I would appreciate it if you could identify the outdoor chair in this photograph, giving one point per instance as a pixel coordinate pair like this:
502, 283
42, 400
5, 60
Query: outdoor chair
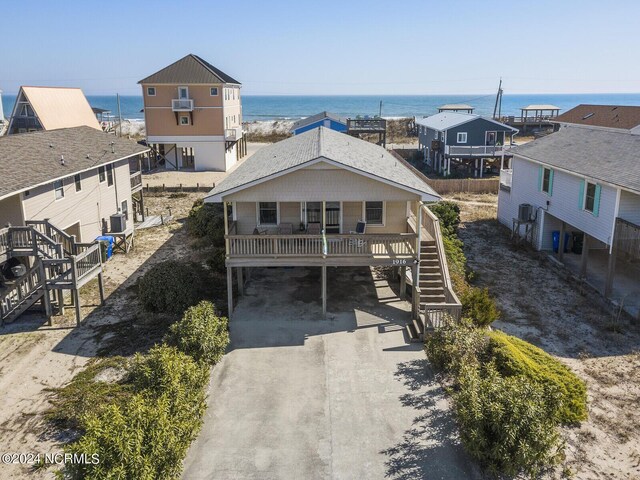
260, 231
361, 228
285, 229
313, 229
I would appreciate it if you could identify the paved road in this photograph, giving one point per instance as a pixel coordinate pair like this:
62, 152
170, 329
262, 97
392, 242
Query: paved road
298, 397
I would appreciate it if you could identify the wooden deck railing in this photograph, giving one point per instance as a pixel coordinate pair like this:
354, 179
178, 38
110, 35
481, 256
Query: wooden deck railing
136, 181
390, 245
24, 286
55, 234
475, 151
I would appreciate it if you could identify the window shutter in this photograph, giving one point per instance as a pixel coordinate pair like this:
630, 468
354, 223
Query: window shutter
540, 173
550, 182
596, 202
581, 198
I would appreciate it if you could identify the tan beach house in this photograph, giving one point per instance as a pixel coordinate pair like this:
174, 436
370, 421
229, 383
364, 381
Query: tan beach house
193, 116
323, 198
50, 108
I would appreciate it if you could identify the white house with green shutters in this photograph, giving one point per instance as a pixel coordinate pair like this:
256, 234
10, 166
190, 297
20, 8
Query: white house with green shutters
580, 181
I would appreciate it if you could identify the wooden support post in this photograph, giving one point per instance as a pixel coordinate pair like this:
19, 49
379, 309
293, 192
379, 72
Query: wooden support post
324, 290
60, 301
561, 242
611, 269
403, 282
481, 167
324, 216
76, 299
240, 281
226, 228
230, 290
585, 256
415, 296
101, 288
475, 168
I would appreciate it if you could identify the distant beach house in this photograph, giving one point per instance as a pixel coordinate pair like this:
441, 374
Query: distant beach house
325, 199
462, 142
618, 117
322, 119
193, 116
74, 177
577, 191
456, 107
50, 108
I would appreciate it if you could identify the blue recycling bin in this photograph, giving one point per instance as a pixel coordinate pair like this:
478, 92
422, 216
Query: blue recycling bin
556, 241
109, 240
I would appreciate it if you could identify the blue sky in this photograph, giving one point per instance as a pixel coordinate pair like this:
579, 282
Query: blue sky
329, 47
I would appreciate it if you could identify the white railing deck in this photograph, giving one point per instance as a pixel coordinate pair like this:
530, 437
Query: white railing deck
476, 151
182, 105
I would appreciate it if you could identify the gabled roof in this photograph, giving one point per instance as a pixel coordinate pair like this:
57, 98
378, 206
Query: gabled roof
31, 159
540, 107
316, 118
59, 107
604, 155
610, 116
348, 152
188, 70
445, 120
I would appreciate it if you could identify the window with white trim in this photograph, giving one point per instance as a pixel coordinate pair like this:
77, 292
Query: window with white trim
590, 197
101, 174
78, 181
214, 91
462, 137
374, 213
546, 180
268, 213
184, 120
151, 91
109, 174
58, 187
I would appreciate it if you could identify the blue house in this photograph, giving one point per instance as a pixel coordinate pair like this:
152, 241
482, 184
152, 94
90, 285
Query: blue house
322, 119
470, 143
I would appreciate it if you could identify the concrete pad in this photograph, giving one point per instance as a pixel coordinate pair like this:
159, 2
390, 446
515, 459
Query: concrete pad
343, 398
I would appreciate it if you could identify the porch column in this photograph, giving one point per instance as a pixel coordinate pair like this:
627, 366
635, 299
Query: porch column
481, 167
611, 270
561, 242
324, 216
403, 282
449, 167
585, 256
230, 290
226, 227
240, 281
324, 290
415, 297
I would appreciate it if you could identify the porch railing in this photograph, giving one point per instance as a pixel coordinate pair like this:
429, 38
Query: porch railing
391, 245
23, 287
136, 181
475, 151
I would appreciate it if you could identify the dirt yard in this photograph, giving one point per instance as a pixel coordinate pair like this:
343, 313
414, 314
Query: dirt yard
35, 358
541, 305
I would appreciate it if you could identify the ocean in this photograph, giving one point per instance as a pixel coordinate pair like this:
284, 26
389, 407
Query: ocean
262, 107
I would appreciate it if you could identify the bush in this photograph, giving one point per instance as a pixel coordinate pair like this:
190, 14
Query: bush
479, 307
449, 215
456, 261
216, 260
201, 333
206, 220
517, 357
451, 347
506, 423
146, 437
173, 286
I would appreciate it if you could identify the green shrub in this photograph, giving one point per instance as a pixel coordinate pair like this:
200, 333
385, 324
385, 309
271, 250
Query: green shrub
206, 220
451, 347
456, 261
173, 286
479, 307
216, 260
201, 333
449, 215
517, 357
506, 423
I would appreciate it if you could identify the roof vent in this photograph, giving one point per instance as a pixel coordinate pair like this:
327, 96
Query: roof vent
588, 115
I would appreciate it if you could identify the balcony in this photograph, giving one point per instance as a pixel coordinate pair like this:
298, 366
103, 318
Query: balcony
505, 180
232, 134
182, 105
136, 181
476, 151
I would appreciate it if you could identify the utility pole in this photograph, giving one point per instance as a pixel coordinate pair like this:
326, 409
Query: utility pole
497, 108
119, 113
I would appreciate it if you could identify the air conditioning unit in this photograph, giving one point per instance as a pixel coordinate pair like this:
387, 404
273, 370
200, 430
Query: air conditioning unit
118, 222
525, 212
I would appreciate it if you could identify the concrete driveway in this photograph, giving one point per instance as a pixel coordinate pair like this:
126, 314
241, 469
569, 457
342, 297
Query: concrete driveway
299, 397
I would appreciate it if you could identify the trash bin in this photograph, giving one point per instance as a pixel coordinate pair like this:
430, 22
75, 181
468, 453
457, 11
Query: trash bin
556, 241
106, 242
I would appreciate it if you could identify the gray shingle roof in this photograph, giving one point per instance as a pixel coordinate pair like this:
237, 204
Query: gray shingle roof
317, 117
608, 156
351, 152
190, 69
445, 120
31, 159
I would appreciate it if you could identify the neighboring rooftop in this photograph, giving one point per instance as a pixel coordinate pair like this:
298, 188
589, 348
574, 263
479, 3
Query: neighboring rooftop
445, 120
608, 116
188, 70
321, 142
530, 108
31, 159
59, 107
455, 106
316, 118
605, 155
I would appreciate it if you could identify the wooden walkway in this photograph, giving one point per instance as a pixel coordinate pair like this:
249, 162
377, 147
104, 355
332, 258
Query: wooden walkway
154, 221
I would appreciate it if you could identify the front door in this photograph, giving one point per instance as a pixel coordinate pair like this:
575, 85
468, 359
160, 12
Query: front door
491, 138
333, 217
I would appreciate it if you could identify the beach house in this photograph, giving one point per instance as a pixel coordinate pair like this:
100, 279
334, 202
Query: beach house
325, 199
50, 108
193, 116
577, 191
58, 190
619, 117
463, 143
322, 119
